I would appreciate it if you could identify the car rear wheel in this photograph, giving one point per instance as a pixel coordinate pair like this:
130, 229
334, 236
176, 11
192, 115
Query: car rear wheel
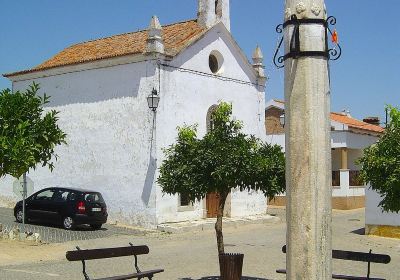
19, 216
96, 226
68, 223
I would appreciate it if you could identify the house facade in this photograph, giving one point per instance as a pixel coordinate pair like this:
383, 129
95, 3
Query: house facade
349, 137
115, 141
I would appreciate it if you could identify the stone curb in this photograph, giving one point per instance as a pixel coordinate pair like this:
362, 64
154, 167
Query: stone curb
208, 224
16, 235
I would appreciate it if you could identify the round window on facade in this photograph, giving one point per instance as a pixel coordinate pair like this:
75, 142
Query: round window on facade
215, 62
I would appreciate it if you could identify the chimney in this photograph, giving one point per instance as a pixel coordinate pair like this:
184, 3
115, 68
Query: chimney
211, 12
155, 42
346, 112
372, 120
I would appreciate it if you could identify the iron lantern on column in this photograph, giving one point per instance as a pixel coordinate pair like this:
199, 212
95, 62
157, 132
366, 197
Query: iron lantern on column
282, 120
153, 99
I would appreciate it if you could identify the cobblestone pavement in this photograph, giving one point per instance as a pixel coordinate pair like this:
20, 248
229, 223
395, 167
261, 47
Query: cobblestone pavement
56, 234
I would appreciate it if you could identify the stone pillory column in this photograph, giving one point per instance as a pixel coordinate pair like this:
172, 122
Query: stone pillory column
308, 152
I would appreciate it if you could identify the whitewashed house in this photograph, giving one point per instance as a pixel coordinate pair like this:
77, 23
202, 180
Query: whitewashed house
349, 137
115, 141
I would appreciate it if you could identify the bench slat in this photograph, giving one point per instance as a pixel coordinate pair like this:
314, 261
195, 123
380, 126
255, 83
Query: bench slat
134, 275
338, 276
357, 256
360, 256
94, 254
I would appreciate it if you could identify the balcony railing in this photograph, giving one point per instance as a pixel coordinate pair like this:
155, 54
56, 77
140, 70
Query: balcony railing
354, 179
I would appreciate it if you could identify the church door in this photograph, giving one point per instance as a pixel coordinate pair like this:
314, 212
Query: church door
212, 199
212, 202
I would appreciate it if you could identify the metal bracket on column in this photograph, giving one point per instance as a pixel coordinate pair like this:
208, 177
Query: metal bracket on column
294, 48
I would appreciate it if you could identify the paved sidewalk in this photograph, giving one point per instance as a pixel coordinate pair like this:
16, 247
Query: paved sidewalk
208, 224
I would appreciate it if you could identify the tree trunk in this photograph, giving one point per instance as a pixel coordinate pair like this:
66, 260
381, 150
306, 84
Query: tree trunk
218, 224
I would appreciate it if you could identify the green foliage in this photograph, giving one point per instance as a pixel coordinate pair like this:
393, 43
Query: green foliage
224, 159
28, 136
381, 164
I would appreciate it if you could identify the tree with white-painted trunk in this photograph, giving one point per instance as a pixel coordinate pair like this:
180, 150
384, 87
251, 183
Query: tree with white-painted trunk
308, 154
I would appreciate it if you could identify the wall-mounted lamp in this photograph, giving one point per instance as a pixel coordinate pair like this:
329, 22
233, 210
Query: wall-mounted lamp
153, 99
282, 120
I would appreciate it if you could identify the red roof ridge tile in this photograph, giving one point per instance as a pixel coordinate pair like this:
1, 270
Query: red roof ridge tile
131, 32
177, 36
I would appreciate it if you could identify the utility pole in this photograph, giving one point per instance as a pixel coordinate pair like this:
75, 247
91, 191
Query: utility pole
24, 193
308, 151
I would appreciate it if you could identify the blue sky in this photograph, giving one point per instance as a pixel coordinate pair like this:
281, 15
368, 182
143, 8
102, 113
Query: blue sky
364, 80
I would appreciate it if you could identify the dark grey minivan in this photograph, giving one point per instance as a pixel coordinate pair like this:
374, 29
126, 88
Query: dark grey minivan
68, 206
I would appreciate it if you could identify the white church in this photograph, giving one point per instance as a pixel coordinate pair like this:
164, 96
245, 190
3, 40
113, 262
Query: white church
115, 138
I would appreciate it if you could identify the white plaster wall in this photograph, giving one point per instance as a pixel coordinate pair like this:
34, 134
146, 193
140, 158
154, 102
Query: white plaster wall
186, 98
374, 214
278, 139
247, 203
347, 139
105, 115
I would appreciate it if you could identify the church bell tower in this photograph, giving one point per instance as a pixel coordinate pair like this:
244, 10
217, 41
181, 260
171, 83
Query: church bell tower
211, 12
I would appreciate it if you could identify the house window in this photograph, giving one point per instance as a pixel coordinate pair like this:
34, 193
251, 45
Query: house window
184, 200
185, 204
215, 62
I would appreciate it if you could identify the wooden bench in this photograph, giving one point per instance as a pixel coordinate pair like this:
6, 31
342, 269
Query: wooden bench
95, 254
353, 256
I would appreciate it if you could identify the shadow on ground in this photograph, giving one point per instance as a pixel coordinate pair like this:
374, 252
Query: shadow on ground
217, 278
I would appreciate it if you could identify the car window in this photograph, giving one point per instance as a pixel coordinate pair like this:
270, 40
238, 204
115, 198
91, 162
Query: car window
61, 196
93, 197
45, 195
72, 196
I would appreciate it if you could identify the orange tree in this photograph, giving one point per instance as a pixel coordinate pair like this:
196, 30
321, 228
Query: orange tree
28, 135
381, 164
224, 159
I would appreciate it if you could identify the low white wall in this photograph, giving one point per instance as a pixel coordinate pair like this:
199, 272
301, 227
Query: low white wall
374, 214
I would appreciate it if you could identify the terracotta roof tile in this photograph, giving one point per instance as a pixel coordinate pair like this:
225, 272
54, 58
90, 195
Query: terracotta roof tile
354, 123
176, 37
